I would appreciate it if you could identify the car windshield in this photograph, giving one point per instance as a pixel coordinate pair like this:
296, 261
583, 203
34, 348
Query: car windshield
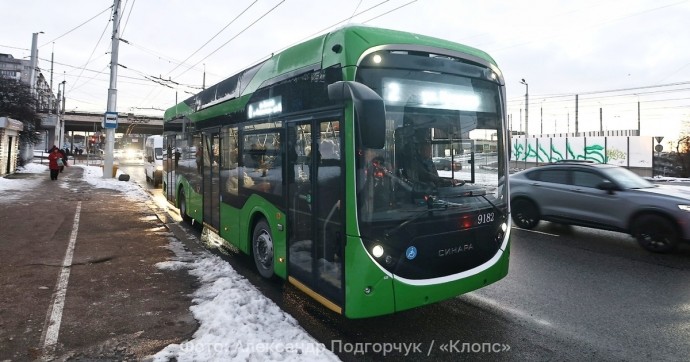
626, 178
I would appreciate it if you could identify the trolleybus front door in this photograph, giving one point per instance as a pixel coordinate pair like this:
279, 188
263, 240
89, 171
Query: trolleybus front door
315, 216
211, 186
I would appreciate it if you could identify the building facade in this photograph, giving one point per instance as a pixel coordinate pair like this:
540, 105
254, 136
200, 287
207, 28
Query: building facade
9, 144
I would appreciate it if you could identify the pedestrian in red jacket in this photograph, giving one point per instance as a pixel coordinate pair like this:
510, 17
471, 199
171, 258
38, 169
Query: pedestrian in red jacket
55, 162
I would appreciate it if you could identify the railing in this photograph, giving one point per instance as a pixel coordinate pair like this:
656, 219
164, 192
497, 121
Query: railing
86, 159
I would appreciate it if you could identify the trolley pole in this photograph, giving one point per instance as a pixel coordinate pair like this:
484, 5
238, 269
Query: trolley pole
112, 97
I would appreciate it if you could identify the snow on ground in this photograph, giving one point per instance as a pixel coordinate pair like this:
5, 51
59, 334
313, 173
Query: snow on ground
236, 321
8, 184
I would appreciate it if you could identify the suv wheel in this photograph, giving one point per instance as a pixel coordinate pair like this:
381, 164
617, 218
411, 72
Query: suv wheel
525, 213
655, 233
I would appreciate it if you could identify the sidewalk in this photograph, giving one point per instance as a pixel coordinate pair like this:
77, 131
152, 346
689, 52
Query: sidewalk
108, 301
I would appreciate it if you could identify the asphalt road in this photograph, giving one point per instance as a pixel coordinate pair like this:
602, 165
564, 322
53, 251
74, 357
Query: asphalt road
572, 293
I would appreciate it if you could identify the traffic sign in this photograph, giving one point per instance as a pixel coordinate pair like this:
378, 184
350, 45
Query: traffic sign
110, 120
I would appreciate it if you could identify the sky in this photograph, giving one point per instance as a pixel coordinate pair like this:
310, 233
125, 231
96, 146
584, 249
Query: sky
611, 53
236, 321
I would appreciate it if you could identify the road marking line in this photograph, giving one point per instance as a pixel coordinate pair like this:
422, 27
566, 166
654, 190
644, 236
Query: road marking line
494, 304
54, 316
534, 231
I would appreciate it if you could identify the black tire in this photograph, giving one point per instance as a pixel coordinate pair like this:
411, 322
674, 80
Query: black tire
525, 213
183, 207
656, 233
262, 249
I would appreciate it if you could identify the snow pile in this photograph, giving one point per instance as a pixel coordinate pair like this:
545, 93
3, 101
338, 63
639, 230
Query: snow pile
237, 322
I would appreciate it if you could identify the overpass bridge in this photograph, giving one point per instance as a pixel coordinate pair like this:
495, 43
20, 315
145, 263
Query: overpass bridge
127, 123
89, 123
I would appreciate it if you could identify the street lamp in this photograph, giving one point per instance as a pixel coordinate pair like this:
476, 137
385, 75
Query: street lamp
523, 81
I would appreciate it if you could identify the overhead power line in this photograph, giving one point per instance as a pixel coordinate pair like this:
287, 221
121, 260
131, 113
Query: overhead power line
213, 37
234, 37
568, 95
78, 26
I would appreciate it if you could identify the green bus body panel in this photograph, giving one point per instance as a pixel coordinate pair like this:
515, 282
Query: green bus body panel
410, 296
294, 58
362, 273
358, 39
353, 40
195, 207
230, 228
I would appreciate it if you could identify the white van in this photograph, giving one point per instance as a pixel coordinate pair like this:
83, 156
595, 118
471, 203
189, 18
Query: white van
153, 160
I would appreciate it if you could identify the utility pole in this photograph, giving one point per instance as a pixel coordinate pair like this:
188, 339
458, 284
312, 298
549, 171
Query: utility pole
639, 126
526, 107
50, 99
61, 112
112, 97
33, 62
576, 115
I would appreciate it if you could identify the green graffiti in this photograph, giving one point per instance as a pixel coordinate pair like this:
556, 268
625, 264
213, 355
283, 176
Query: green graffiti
554, 151
569, 151
593, 153
531, 152
546, 154
517, 150
614, 154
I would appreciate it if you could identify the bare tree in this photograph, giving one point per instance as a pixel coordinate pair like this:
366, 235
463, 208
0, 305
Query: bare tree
683, 155
16, 101
682, 148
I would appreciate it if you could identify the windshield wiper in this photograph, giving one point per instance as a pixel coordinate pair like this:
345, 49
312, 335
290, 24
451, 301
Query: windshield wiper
434, 204
494, 206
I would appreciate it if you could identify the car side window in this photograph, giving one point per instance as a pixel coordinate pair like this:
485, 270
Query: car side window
554, 176
587, 179
533, 175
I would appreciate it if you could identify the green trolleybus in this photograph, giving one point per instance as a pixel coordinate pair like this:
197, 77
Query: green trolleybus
367, 167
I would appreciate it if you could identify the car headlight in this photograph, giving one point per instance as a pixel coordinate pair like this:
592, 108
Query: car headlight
684, 207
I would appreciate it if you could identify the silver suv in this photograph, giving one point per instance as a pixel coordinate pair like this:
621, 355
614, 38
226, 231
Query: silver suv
603, 197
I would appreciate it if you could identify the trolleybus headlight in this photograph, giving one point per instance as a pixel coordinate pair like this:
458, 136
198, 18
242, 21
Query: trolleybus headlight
684, 207
377, 59
377, 251
501, 233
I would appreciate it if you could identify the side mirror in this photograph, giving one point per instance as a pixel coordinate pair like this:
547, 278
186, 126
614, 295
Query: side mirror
369, 107
608, 186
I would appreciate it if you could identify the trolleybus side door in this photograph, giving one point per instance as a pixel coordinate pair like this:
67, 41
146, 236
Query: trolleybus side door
315, 215
211, 187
